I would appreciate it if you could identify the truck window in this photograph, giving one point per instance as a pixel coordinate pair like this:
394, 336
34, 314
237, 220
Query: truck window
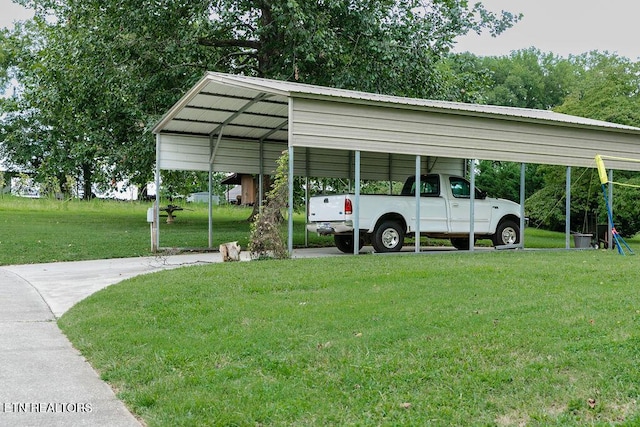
429, 186
460, 188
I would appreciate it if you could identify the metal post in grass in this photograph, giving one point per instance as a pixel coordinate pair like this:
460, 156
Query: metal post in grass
567, 214
356, 208
306, 209
156, 206
610, 216
210, 220
212, 154
472, 205
523, 169
417, 195
290, 210
307, 165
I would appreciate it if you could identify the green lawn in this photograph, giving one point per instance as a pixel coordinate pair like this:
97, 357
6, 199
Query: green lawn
495, 338
44, 230
491, 338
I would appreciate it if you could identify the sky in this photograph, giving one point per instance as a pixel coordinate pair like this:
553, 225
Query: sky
563, 27
10, 12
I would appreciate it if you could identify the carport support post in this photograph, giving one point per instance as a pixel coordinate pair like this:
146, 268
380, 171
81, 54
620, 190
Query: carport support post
261, 175
567, 220
290, 210
610, 228
472, 206
306, 210
210, 220
155, 229
356, 208
417, 184
523, 168
306, 194
212, 153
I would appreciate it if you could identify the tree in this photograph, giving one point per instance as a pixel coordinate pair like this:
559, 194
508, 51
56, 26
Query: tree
626, 207
91, 90
382, 46
607, 88
529, 79
183, 183
502, 179
96, 74
546, 207
468, 81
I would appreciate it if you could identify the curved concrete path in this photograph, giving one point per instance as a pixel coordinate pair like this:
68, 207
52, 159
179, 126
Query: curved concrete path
44, 380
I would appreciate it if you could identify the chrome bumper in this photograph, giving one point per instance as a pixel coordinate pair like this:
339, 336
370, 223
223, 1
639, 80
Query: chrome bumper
328, 228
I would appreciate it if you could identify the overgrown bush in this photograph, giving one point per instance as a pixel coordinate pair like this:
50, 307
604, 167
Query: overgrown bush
267, 238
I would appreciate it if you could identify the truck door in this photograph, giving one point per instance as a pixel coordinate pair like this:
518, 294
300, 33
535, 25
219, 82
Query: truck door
459, 205
433, 209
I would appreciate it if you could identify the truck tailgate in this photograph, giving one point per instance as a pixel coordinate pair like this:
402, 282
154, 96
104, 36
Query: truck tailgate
327, 208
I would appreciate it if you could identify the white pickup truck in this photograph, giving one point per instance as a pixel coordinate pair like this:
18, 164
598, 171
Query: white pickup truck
444, 213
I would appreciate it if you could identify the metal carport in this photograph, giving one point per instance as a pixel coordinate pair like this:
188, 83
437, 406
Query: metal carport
232, 123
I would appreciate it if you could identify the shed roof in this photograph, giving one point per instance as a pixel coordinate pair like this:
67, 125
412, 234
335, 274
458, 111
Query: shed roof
254, 109
217, 96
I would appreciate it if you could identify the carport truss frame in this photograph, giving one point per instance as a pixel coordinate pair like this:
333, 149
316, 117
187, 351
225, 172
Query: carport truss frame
232, 123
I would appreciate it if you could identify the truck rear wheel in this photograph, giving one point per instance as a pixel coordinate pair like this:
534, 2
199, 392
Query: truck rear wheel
507, 233
388, 237
344, 242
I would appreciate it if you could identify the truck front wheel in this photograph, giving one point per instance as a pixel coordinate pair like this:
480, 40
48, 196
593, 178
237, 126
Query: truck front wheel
388, 237
344, 242
507, 233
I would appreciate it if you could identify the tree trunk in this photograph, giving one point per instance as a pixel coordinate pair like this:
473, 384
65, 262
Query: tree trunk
87, 177
266, 187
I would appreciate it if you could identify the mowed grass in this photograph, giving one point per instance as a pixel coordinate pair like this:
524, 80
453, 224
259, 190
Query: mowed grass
500, 338
491, 338
45, 230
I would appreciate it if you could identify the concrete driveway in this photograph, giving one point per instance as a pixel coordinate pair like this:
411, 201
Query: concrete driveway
45, 381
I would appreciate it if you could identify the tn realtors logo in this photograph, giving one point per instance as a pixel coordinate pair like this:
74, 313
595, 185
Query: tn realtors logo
40, 407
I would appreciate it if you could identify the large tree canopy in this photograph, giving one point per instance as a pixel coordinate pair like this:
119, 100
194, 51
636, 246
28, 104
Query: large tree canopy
95, 74
607, 87
529, 79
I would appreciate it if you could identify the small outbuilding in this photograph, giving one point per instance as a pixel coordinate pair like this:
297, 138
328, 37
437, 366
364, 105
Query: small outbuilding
248, 186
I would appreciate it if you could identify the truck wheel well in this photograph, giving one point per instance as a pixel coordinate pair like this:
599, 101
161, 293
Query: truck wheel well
509, 218
392, 216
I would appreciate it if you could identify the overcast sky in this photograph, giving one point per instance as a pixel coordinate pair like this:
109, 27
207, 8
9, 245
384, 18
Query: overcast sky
563, 27
10, 12
560, 26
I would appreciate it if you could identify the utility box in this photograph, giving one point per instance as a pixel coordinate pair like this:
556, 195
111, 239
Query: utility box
582, 241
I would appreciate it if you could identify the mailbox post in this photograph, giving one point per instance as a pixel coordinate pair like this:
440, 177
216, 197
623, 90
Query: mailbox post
151, 219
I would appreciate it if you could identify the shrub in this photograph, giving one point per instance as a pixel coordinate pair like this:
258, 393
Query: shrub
267, 238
